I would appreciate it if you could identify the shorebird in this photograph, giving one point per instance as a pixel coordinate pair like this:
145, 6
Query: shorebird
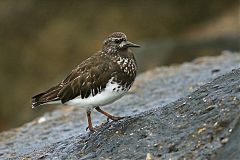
99, 80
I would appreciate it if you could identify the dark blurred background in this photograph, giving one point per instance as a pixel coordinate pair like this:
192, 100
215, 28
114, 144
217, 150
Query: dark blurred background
41, 41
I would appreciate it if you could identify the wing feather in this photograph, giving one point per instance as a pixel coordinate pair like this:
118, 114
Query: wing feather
88, 79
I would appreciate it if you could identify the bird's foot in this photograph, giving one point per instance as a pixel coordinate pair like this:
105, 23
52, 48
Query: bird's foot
114, 118
94, 129
91, 129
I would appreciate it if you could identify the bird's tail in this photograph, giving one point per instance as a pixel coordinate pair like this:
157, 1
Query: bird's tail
49, 96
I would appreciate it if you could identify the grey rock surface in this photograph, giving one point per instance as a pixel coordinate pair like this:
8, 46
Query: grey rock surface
185, 111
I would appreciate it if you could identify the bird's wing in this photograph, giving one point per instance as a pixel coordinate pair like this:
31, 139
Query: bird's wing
90, 77
84, 80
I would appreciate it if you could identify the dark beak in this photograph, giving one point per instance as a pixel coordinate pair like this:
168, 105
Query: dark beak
130, 44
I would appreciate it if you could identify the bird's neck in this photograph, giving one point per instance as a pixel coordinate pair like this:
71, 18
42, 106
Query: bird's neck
126, 53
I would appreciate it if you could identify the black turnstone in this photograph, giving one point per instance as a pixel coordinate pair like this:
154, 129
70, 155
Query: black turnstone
99, 80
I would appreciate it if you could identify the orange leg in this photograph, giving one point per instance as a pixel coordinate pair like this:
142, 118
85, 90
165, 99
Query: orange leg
114, 118
90, 127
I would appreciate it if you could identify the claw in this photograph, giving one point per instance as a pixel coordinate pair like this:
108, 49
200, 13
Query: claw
95, 128
91, 130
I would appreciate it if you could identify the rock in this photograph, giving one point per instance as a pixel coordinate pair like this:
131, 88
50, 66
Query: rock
188, 111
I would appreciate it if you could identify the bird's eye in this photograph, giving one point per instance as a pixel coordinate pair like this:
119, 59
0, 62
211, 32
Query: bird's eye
117, 40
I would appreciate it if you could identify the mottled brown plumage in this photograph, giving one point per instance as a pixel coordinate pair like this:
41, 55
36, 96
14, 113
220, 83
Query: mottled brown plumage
114, 64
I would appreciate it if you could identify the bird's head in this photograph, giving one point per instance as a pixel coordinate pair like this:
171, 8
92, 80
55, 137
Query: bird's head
117, 42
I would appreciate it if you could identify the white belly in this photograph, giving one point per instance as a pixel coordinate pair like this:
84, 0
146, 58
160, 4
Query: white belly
111, 93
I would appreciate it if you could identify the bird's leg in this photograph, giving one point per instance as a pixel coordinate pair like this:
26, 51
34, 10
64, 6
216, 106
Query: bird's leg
114, 118
90, 127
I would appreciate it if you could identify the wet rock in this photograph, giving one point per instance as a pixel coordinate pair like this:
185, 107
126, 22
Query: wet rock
187, 111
